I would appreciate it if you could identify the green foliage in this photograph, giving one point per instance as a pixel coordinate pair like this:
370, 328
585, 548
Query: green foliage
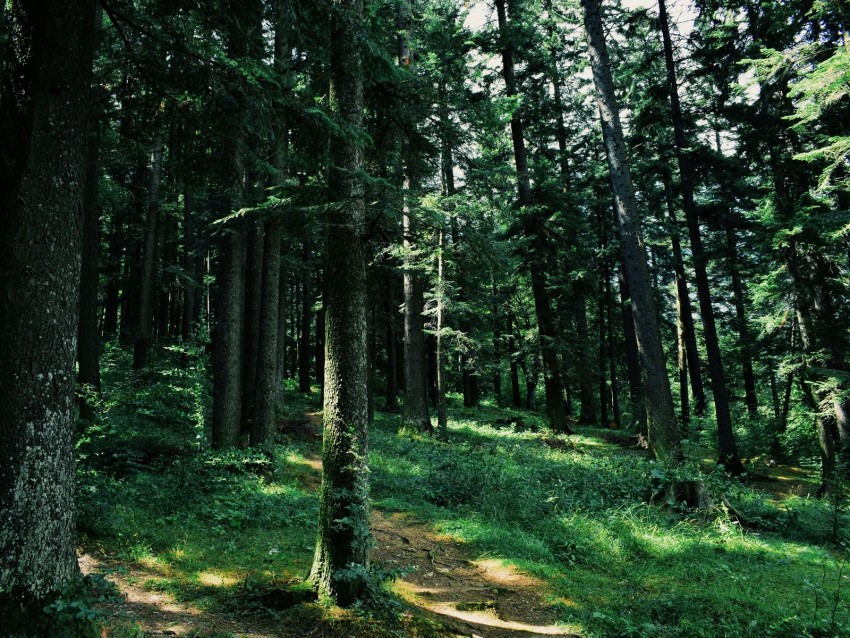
73, 612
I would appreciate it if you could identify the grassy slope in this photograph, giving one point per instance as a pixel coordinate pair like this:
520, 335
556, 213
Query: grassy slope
220, 529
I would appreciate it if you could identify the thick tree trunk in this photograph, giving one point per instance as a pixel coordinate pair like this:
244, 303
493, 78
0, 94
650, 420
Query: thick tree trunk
341, 563
637, 401
555, 408
662, 428
727, 448
227, 357
144, 310
262, 426
43, 126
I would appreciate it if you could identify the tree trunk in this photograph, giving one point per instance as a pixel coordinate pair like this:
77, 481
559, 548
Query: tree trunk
44, 110
227, 356
415, 412
442, 413
727, 449
686, 315
341, 563
144, 310
662, 428
555, 408
262, 426
516, 396
741, 321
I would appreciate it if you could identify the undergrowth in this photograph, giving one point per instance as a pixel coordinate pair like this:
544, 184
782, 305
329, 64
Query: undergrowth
233, 532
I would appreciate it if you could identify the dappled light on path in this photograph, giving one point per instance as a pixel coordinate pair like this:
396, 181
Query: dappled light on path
486, 597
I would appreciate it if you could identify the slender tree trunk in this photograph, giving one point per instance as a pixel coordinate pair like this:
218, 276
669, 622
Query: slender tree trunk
44, 113
442, 413
144, 311
415, 410
662, 428
341, 563
686, 315
612, 359
112, 299
516, 397
604, 352
281, 338
637, 400
555, 408
727, 448
741, 320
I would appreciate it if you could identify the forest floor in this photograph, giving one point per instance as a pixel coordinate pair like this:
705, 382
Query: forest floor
506, 531
466, 595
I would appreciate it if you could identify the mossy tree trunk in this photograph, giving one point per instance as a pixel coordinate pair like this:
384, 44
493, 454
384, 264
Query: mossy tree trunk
341, 561
44, 111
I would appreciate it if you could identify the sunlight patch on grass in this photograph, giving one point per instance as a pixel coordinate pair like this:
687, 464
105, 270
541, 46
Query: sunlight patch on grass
216, 579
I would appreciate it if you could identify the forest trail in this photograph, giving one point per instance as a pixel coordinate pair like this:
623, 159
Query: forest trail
158, 614
476, 597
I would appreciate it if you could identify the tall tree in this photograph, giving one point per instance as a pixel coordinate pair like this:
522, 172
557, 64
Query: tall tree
533, 229
661, 417
727, 448
44, 112
341, 563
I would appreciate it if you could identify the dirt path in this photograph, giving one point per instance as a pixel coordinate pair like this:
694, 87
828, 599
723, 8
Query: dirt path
483, 597
157, 614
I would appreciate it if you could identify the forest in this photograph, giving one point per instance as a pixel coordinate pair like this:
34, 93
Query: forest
424, 318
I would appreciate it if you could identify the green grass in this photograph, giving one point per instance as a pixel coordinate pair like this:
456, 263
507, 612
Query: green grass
581, 513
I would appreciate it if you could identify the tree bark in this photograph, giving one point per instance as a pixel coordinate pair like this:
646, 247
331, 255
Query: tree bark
144, 310
227, 357
44, 114
662, 428
262, 426
341, 561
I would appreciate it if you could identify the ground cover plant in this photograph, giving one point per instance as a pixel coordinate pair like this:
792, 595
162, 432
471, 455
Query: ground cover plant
586, 517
